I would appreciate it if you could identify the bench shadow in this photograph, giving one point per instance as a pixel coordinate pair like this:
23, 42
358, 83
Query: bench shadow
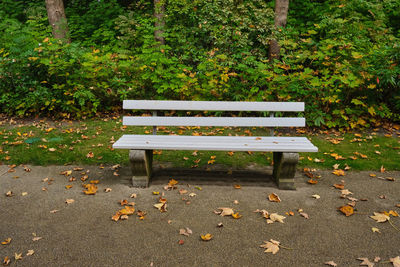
213, 176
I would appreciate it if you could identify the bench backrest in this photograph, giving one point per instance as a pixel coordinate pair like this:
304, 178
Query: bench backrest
154, 105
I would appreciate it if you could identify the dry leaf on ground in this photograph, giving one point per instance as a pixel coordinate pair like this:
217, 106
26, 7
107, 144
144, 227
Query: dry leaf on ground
6, 261
274, 198
316, 196
331, 263
18, 256
347, 210
365, 262
380, 217
339, 172
271, 246
395, 261
206, 237
30, 252
375, 230
69, 201
7, 241
275, 217
305, 215
185, 232
91, 189
224, 211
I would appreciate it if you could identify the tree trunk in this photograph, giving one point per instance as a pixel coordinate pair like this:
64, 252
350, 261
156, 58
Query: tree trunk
57, 19
281, 11
159, 9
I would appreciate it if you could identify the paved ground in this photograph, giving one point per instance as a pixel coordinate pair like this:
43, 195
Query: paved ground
83, 234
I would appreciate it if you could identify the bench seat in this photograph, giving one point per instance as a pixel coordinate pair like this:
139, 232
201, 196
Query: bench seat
216, 143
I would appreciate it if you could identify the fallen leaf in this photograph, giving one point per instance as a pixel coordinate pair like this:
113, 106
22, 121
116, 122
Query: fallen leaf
271, 246
372, 175
156, 193
185, 232
181, 242
69, 201
382, 170
224, 211
127, 210
377, 259
30, 252
9, 194
380, 217
7, 241
6, 261
346, 192
36, 238
124, 217
236, 202
274, 198
182, 191
192, 194
339, 186
206, 237
331, 263
375, 230
237, 186
316, 196
339, 172
91, 189
347, 210
162, 207
395, 261
236, 215
275, 217
133, 195
18, 256
107, 190
365, 262
305, 215
220, 224
90, 155
311, 181
393, 213
54, 211
198, 188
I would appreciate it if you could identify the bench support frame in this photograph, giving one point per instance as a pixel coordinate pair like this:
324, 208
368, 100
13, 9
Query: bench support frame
141, 164
285, 169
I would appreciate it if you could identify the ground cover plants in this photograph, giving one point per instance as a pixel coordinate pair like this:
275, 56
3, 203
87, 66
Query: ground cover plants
44, 142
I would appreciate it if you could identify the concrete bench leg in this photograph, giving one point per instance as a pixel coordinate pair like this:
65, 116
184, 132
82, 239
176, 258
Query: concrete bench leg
142, 164
285, 169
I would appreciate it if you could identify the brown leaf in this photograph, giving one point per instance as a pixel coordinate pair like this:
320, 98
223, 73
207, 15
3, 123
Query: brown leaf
107, 190
6, 261
271, 246
339, 186
274, 198
382, 170
311, 181
346, 192
123, 202
127, 210
275, 217
347, 210
331, 263
365, 262
305, 215
9, 194
90, 155
69, 201
181, 242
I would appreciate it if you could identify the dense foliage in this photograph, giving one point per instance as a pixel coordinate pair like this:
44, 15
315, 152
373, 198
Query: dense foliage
340, 57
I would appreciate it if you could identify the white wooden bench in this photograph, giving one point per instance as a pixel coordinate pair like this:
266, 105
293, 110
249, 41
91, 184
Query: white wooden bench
285, 149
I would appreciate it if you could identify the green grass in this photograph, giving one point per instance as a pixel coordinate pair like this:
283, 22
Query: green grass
72, 141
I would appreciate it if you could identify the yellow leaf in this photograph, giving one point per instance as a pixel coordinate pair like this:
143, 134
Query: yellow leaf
206, 237
236, 215
68, 186
7, 241
339, 172
156, 193
128, 210
91, 189
172, 182
375, 230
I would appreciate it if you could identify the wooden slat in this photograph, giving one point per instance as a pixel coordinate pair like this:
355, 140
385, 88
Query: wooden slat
215, 121
215, 143
213, 105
